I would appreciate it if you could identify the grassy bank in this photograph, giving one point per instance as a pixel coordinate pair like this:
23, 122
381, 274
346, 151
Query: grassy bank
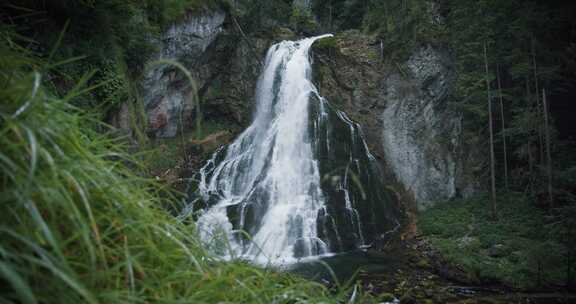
523, 249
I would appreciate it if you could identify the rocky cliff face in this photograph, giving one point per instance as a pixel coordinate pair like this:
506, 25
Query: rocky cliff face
225, 65
167, 95
403, 109
421, 137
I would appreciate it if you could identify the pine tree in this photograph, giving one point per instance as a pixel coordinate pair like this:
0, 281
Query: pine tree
548, 156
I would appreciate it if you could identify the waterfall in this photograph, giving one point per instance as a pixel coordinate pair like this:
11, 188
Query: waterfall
289, 186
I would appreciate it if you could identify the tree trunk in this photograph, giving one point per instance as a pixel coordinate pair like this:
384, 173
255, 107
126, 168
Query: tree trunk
503, 127
539, 117
330, 16
529, 141
548, 154
569, 269
540, 270
492, 161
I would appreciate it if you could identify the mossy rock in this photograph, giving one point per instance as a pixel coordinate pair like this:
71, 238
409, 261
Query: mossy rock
328, 43
423, 263
283, 33
386, 297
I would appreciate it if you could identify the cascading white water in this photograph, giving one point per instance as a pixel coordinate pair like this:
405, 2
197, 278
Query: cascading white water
299, 182
269, 172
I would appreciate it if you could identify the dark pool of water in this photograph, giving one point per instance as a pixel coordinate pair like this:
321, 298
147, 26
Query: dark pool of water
345, 266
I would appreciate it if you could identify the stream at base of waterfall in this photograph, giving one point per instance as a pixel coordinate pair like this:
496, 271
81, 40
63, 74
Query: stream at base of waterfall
299, 183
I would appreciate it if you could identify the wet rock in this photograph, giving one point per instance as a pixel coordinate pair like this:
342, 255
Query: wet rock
212, 141
444, 297
488, 301
408, 298
283, 33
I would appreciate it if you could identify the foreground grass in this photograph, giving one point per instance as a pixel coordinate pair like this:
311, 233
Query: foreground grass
519, 250
78, 226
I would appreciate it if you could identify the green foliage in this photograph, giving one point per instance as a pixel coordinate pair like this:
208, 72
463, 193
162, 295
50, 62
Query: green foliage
515, 33
302, 20
165, 13
404, 25
341, 14
256, 16
114, 85
115, 37
328, 43
78, 226
520, 250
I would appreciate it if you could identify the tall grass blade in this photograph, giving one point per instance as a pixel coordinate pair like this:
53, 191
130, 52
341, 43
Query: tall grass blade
19, 284
35, 88
33, 154
58, 41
